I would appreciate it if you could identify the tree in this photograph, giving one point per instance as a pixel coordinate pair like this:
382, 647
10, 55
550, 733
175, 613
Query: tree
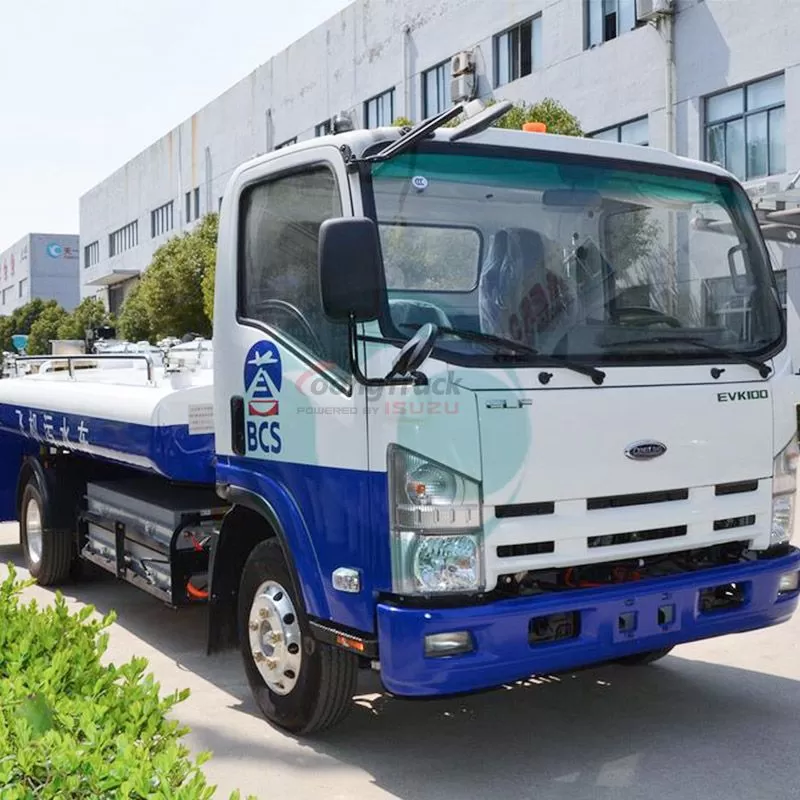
20, 321
46, 327
174, 295
549, 111
88, 314
134, 318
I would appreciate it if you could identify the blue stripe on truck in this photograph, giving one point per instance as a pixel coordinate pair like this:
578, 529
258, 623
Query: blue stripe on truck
169, 450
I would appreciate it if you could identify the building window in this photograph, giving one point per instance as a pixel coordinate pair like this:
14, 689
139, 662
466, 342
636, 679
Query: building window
518, 51
324, 128
91, 254
193, 205
282, 218
287, 143
123, 239
379, 110
6, 295
607, 19
745, 129
161, 220
116, 297
436, 89
23, 284
634, 132
219, 205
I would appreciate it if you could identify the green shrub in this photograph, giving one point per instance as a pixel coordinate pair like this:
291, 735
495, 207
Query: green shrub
73, 728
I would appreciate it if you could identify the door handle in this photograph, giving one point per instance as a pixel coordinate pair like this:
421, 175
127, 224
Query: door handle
237, 425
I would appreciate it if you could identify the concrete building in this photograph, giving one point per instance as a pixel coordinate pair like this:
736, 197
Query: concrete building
734, 85
40, 265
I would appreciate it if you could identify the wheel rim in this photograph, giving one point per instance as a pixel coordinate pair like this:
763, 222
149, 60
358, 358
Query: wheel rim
33, 531
275, 639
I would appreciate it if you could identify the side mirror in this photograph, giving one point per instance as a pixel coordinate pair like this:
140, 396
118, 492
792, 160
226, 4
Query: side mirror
414, 352
350, 269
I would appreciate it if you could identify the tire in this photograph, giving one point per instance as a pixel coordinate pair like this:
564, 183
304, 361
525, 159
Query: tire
643, 659
302, 686
48, 553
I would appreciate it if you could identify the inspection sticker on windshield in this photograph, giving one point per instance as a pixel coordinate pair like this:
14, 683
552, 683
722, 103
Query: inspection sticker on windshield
419, 182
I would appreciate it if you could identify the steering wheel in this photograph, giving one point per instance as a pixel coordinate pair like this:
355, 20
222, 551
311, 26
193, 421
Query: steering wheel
644, 315
297, 314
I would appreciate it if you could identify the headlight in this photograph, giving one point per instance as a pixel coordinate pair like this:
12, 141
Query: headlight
437, 532
784, 484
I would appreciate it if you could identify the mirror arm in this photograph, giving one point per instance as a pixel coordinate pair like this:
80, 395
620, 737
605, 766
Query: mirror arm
352, 339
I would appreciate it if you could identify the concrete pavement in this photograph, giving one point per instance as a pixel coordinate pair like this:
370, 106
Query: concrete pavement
718, 720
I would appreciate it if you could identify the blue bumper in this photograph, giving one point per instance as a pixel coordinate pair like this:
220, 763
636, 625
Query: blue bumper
500, 630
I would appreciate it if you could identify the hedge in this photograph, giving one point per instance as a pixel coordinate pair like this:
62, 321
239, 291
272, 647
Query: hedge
73, 728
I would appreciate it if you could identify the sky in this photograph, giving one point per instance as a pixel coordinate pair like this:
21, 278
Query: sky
85, 85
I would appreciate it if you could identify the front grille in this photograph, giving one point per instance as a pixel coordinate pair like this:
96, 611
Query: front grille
524, 510
637, 536
645, 498
734, 522
527, 549
736, 488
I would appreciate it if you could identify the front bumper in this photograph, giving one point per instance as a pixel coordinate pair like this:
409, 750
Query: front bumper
500, 630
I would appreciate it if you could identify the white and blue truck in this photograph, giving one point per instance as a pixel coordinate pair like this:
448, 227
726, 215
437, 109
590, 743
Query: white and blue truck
479, 404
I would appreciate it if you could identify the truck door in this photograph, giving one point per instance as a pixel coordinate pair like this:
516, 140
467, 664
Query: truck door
290, 423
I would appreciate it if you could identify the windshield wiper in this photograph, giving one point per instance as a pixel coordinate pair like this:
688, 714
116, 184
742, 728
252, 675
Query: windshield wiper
763, 369
521, 350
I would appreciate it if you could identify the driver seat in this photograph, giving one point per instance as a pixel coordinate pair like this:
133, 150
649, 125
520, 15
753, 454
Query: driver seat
519, 297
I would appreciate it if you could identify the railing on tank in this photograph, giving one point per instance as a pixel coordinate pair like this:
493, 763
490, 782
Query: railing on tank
87, 359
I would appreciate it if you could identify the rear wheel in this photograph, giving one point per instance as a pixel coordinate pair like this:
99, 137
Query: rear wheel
642, 659
48, 553
301, 685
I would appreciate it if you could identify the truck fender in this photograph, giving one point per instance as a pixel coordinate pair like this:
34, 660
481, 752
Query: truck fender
250, 520
60, 494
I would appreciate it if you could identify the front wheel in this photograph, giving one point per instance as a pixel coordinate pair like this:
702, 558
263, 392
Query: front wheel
48, 552
301, 685
642, 659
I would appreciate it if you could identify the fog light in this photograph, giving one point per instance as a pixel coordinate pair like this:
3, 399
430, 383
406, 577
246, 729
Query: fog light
448, 644
789, 582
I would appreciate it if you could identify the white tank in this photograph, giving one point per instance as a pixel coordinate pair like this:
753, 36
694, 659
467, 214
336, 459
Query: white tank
149, 410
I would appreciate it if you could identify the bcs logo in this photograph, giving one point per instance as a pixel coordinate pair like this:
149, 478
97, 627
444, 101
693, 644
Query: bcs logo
55, 250
263, 376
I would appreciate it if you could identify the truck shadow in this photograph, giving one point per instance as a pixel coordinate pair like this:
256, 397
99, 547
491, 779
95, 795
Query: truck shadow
678, 729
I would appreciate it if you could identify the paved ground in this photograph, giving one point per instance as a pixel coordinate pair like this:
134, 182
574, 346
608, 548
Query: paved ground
719, 719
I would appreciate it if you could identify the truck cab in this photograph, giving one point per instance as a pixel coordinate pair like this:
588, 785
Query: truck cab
486, 390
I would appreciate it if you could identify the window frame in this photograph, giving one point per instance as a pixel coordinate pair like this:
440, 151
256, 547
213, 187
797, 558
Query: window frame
91, 248
165, 213
587, 26
439, 226
533, 19
426, 107
129, 238
391, 93
743, 117
618, 128
324, 128
341, 380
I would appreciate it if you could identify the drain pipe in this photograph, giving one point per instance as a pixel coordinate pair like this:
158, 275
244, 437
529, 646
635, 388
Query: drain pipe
406, 82
668, 21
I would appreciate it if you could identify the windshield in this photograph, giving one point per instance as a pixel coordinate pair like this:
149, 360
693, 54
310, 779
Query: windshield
591, 260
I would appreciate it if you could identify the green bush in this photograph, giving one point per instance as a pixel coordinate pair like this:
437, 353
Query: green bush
72, 728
